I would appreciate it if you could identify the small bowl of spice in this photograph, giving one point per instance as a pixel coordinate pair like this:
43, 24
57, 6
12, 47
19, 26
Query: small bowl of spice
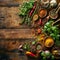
43, 13
53, 14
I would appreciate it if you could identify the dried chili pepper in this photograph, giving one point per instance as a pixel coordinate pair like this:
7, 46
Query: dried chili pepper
30, 54
40, 22
32, 10
38, 31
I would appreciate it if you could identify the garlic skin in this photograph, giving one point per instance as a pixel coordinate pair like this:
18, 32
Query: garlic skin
47, 52
44, 4
53, 3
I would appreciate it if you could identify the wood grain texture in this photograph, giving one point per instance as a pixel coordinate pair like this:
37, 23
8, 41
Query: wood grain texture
16, 33
9, 17
10, 39
11, 44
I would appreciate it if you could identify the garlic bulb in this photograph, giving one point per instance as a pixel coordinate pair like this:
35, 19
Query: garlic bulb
53, 3
44, 3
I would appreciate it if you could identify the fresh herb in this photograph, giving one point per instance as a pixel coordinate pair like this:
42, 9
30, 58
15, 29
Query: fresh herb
32, 10
47, 55
26, 7
25, 11
26, 47
52, 31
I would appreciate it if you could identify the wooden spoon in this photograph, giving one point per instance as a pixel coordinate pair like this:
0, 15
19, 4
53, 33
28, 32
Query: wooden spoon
54, 13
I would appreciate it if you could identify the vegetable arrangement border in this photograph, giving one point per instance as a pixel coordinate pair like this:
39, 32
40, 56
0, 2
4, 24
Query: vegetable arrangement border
44, 18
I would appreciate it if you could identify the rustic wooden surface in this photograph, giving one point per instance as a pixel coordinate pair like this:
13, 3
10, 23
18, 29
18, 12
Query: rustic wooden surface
10, 39
16, 34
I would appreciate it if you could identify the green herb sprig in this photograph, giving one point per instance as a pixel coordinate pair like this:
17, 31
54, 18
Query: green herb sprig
52, 31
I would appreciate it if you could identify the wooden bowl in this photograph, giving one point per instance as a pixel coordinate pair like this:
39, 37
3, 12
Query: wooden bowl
43, 13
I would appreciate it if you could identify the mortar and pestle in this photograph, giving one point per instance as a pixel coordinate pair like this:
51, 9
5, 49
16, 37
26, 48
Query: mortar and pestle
54, 12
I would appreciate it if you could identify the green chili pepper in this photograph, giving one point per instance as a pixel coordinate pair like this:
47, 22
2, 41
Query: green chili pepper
44, 58
42, 54
52, 58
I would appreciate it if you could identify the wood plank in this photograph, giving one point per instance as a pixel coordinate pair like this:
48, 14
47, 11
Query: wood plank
12, 44
16, 33
17, 56
9, 15
9, 18
10, 1
9, 45
12, 55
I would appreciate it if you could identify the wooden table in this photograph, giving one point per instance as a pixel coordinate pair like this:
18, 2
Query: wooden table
12, 34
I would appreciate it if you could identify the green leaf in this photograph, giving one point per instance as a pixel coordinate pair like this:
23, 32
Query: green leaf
52, 58
26, 7
57, 43
33, 42
42, 53
44, 58
53, 28
32, 0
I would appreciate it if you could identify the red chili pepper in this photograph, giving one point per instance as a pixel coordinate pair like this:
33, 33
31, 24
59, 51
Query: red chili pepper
40, 22
38, 31
32, 10
34, 6
30, 54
